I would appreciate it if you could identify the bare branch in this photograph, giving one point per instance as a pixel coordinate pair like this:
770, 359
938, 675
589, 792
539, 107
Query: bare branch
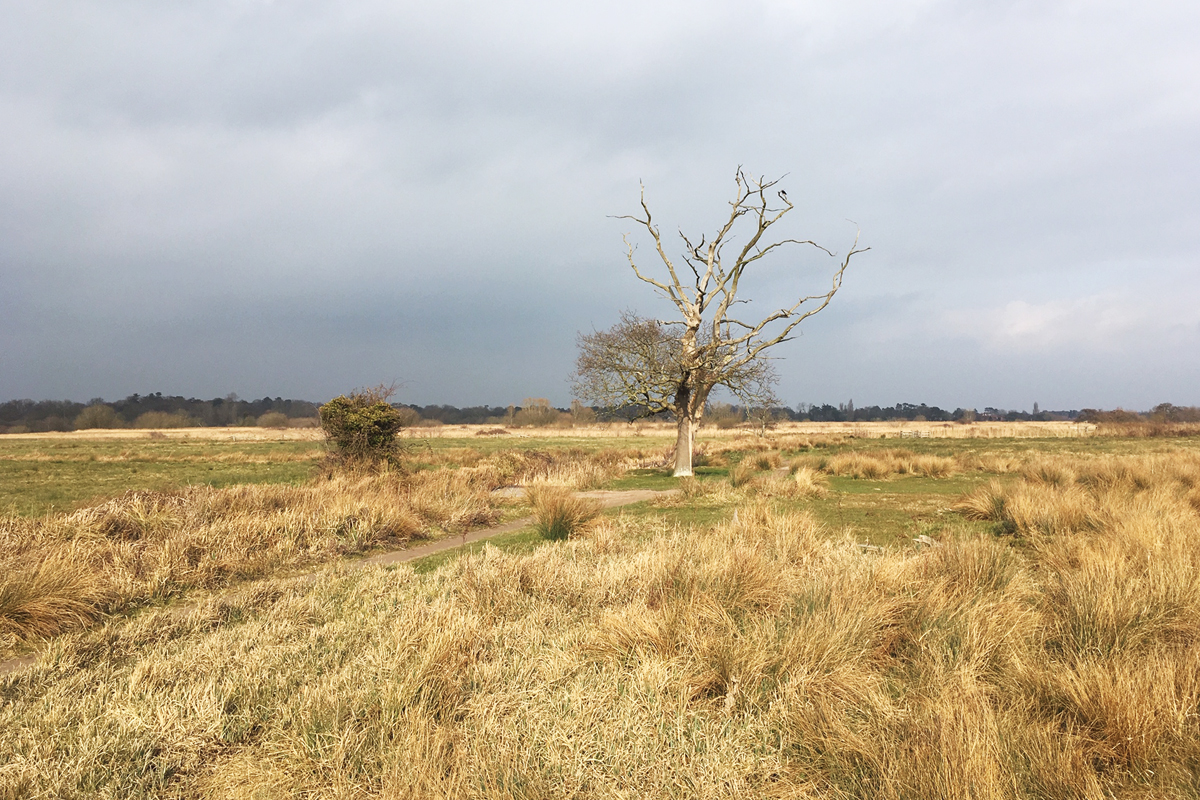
674, 365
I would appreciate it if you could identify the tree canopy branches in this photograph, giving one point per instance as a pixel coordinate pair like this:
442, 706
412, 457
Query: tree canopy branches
673, 365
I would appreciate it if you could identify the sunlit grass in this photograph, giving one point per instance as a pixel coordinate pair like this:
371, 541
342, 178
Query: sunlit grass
759, 656
1040, 640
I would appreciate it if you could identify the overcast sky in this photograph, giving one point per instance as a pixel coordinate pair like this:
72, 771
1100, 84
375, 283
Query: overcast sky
297, 198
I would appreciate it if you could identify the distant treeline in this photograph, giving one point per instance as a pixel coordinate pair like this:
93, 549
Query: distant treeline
1163, 412
148, 411
846, 412
160, 411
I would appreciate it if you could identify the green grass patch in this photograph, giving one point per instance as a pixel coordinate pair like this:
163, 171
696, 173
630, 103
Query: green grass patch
39, 476
657, 479
878, 516
689, 515
33, 488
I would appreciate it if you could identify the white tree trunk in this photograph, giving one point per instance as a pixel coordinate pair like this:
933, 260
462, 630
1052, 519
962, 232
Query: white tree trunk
683, 447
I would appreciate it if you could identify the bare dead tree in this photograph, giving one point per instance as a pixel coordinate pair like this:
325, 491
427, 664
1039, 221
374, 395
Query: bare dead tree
673, 365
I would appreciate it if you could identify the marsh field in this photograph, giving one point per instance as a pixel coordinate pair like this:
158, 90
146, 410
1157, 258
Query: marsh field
821, 612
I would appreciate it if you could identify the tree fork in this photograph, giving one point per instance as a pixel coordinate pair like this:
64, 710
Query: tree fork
673, 365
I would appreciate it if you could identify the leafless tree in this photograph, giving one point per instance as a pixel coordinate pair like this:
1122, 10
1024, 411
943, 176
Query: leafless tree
673, 365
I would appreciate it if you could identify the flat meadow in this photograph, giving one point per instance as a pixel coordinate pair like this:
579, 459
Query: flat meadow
823, 611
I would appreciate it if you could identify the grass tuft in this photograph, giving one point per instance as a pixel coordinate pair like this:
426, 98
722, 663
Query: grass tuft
52, 595
557, 513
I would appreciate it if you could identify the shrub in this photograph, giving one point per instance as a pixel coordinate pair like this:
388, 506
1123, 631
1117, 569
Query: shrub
273, 419
98, 416
558, 513
724, 416
362, 427
535, 412
581, 414
162, 419
408, 416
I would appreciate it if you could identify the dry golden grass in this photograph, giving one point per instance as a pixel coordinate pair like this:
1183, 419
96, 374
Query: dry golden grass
69, 569
571, 468
557, 513
759, 658
743, 472
762, 657
149, 546
1146, 430
880, 464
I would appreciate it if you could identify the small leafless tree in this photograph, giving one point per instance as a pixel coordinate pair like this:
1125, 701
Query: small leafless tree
673, 365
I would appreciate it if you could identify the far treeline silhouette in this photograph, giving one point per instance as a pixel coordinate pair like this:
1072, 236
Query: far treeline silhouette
163, 411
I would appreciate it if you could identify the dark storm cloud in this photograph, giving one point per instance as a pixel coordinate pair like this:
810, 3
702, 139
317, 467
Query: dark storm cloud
303, 197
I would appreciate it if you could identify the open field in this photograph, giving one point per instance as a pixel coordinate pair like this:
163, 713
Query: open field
866, 430
40, 473
43, 472
815, 615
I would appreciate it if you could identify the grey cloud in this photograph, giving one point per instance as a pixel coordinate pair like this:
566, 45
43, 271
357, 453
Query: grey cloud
248, 166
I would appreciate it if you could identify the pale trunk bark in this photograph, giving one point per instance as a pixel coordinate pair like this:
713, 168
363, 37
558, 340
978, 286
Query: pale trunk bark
685, 401
683, 447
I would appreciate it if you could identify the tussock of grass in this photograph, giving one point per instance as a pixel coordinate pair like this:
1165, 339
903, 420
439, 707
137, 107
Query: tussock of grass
1065, 495
809, 482
745, 485
56, 593
750, 443
557, 513
801, 483
743, 472
572, 468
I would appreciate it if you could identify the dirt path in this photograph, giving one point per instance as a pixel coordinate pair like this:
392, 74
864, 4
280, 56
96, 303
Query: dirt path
608, 499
